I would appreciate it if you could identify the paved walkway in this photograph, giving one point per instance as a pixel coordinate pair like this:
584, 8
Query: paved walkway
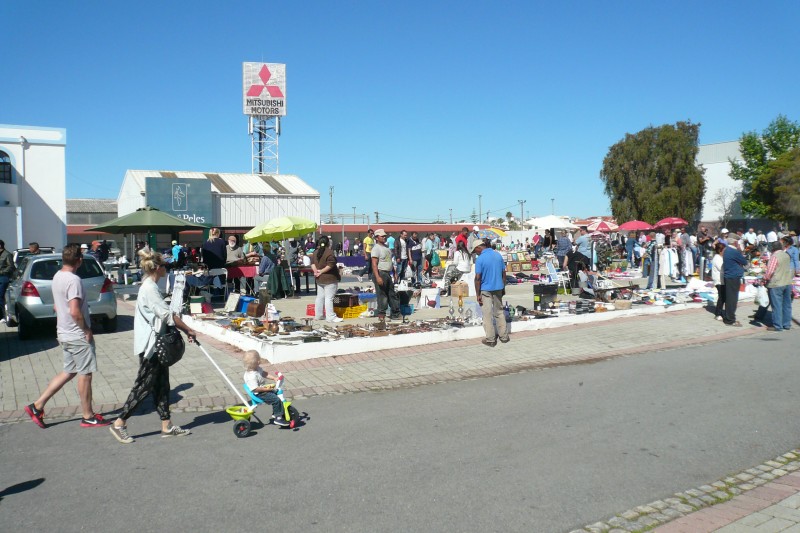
26, 366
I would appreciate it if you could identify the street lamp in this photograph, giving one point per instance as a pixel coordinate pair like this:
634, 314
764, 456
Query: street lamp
552, 206
480, 207
354, 215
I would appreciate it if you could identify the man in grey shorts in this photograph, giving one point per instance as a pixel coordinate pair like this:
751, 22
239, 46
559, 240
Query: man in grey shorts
74, 330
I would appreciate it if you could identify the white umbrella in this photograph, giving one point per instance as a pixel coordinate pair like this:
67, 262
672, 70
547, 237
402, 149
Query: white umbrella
551, 221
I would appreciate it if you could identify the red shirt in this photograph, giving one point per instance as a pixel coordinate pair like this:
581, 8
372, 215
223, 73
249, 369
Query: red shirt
461, 238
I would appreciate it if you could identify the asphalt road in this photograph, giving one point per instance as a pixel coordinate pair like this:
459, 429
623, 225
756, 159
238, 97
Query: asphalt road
540, 451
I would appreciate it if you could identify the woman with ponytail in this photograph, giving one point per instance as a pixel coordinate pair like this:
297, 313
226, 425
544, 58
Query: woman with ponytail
327, 275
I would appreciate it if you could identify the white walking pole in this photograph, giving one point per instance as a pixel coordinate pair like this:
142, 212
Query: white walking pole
233, 388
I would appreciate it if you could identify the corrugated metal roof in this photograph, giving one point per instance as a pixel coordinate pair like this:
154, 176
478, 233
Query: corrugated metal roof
232, 183
91, 205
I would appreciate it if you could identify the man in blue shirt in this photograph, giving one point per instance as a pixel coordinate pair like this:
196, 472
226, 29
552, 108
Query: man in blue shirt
733, 263
490, 286
264, 270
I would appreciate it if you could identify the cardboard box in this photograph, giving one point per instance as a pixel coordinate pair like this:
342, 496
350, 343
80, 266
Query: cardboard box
459, 288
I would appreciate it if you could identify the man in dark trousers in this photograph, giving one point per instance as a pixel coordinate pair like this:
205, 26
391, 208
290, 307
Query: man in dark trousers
733, 263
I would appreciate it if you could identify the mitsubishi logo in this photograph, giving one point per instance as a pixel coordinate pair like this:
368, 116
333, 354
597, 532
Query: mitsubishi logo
273, 90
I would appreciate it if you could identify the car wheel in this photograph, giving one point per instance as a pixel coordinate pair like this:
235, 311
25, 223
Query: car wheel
24, 324
110, 324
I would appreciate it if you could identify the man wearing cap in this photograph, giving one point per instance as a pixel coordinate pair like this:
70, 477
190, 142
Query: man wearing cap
733, 263
472, 237
490, 285
176, 254
381, 261
723, 236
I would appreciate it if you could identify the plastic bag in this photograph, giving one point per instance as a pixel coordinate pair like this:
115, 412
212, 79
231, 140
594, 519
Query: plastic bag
762, 296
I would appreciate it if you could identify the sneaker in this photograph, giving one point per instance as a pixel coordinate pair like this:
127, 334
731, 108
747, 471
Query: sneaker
335, 319
489, 343
773, 328
95, 421
121, 434
720, 318
504, 339
175, 431
36, 415
280, 421
736, 324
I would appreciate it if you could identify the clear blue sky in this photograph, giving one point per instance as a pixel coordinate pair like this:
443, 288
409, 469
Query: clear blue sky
407, 108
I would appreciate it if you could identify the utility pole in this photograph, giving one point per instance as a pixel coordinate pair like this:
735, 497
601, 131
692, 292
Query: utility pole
354, 215
331, 211
451, 215
521, 213
480, 207
377, 220
552, 206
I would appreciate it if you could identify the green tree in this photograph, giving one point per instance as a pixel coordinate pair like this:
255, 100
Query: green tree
782, 178
755, 173
653, 174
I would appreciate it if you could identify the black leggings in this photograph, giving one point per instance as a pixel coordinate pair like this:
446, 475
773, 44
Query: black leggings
720, 309
152, 377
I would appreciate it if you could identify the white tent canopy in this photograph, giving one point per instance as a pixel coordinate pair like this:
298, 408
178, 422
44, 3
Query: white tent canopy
551, 221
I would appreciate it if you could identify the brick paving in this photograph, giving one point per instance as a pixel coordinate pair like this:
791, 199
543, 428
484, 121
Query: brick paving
762, 499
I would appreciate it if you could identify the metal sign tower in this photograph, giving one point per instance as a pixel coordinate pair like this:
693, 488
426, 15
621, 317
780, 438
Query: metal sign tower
264, 100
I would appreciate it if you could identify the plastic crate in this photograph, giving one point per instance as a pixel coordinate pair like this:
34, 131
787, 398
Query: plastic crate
349, 312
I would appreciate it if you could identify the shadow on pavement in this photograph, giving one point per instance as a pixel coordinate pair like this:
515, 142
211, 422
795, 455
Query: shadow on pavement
21, 487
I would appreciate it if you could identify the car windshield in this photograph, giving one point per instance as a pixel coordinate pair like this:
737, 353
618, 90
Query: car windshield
45, 270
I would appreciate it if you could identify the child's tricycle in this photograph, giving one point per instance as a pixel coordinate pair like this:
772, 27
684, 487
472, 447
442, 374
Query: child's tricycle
241, 413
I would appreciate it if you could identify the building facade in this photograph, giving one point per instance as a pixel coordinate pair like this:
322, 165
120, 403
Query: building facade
32, 186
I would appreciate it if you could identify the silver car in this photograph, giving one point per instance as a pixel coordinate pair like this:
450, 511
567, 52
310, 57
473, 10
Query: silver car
29, 299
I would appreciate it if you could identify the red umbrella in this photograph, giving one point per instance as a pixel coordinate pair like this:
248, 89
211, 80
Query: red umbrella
599, 236
602, 225
671, 223
635, 225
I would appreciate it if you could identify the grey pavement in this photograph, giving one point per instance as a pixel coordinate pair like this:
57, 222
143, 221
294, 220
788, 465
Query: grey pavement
26, 366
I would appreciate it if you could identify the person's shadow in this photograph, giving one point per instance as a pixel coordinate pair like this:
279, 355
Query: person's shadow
21, 487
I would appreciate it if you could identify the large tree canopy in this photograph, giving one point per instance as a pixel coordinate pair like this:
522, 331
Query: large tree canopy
782, 177
652, 174
756, 175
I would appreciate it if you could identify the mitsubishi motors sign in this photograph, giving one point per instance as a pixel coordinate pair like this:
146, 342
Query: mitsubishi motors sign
264, 89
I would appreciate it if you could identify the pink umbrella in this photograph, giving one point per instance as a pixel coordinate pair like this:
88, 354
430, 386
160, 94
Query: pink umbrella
635, 225
602, 225
671, 223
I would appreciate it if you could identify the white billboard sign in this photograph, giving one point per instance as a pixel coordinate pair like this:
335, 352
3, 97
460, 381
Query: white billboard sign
264, 89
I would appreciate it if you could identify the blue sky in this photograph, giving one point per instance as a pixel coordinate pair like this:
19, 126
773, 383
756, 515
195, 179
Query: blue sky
407, 108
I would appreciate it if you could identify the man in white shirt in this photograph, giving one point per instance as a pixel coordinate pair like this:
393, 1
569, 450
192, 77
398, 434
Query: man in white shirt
751, 237
772, 236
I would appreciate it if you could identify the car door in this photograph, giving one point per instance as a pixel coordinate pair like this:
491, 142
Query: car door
93, 278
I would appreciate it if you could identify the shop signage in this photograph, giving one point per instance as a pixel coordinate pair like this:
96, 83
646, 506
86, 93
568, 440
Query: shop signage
189, 199
264, 89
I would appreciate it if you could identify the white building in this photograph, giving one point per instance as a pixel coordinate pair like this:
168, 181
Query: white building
721, 189
239, 201
32, 186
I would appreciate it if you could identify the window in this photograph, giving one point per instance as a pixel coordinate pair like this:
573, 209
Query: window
6, 172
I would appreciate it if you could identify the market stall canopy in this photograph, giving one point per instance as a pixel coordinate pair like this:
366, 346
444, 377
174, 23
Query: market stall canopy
491, 233
670, 223
147, 220
599, 236
602, 225
551, 221
635, 225
280, 228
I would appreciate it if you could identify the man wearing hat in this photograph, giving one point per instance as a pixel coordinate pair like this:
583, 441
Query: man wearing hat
381, 260
490, 285
472, 237
733, 263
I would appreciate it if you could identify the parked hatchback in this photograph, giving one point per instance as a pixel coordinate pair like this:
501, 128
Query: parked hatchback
29, 299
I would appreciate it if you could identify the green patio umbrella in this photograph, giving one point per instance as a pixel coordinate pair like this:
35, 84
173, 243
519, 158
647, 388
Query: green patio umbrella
147, 220
283, 228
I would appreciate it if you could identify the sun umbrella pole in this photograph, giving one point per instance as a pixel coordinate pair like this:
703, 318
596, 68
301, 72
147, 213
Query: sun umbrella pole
291, 276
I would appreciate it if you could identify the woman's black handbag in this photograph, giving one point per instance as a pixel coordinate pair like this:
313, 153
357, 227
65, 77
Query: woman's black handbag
169, 346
